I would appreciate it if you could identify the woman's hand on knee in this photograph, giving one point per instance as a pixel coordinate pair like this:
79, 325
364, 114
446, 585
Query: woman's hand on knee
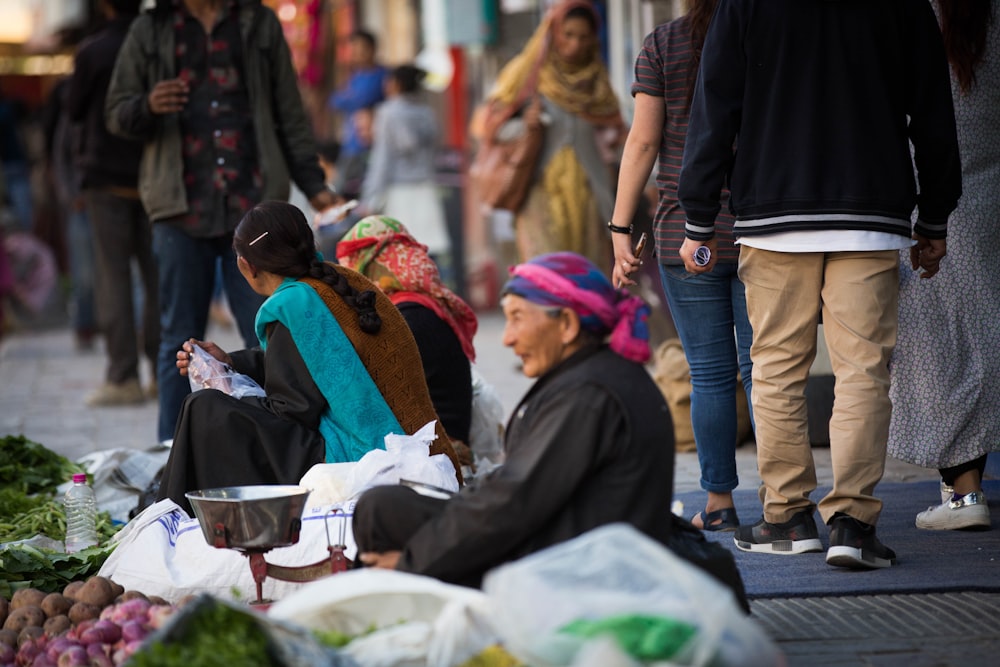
385, 560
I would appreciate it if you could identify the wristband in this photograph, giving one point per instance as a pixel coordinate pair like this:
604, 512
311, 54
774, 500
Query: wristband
619, 230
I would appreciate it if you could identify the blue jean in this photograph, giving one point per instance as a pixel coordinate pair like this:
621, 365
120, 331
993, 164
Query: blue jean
707, 309
187, 276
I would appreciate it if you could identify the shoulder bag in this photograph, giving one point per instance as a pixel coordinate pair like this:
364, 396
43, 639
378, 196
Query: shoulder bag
503, 170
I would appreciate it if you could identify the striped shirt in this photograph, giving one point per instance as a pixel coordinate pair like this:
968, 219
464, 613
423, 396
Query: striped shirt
662, 69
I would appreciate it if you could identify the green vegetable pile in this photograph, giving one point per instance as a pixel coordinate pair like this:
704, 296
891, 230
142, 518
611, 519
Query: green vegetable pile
215, 634
22, 517
29, 475
31, 468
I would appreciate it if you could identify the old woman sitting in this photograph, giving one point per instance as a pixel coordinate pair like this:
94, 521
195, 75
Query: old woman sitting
591, 443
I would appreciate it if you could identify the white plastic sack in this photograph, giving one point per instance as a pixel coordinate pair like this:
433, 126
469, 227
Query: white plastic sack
163, 551
328, 483
404, 457
486, 429
418, 620
615, 571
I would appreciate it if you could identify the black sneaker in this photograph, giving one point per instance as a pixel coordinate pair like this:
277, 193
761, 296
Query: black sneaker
853, 544
798, 535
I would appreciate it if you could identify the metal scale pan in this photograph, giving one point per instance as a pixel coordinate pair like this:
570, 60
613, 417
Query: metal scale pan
256, 519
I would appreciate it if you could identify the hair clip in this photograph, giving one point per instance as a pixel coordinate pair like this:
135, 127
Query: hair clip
258, 238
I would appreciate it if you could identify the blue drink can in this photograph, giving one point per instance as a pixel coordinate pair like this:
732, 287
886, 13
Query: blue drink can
702, 255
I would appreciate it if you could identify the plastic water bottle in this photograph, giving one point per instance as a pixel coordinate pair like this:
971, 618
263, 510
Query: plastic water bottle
81, 515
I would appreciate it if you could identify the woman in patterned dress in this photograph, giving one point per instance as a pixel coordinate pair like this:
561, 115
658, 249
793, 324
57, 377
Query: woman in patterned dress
946, 405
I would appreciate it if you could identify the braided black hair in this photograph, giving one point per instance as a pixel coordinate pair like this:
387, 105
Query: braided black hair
275, 237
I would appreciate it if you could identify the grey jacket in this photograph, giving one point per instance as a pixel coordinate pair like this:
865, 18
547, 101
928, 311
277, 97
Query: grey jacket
405, 142
285, 145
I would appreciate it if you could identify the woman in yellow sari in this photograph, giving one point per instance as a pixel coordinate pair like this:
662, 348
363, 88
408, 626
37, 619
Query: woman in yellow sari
571, 194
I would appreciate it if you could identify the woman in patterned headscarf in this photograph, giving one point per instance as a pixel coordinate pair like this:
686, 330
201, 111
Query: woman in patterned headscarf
571, 195
383, 250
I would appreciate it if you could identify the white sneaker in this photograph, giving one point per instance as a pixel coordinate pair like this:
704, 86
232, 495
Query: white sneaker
968, 511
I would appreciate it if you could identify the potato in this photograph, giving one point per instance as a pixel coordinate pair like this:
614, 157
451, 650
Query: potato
130, 595
22, 617
8, 637
158, 601
81, 611
57, 625
26, 597
55, 604
29, 633
116, 588
4, 609
72, 589
96, 591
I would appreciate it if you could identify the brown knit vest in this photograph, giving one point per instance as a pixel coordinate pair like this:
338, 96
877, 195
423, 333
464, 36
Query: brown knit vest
391, 358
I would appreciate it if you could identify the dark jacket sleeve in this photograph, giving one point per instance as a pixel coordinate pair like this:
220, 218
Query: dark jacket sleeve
126, 110
291, 391
81, 84
479, 528
250, 362
716, 110
291, 123
932, 127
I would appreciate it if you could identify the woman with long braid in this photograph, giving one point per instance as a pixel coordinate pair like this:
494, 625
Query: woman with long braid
337, 361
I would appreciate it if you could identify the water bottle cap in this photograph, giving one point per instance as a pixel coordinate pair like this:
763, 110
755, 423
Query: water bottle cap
79, 477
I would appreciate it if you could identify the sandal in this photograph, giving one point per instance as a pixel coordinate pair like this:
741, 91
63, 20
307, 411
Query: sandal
723, 520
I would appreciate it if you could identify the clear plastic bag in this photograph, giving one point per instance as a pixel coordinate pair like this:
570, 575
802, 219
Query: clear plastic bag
487, 429
606, 576
207, 372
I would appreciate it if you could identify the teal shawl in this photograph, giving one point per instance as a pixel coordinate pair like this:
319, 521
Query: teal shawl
362, 418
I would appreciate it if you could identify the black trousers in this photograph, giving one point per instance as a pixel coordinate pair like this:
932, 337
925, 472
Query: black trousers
386, 517
949, 475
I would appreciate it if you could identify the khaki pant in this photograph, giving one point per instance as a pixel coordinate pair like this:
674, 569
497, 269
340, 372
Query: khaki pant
857, 293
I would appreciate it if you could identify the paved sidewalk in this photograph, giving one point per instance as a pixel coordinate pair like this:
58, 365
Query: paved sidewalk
43, 382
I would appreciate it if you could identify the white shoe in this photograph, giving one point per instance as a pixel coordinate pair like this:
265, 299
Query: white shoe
968, 511
946, 492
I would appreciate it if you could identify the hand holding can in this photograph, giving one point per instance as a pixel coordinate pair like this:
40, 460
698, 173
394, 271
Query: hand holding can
702, 256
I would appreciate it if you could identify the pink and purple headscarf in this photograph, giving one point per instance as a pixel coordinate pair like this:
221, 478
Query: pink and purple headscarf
568, 280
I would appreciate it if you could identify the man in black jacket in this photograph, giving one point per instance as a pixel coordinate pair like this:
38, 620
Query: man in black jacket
822, 99
209, 87
109, 169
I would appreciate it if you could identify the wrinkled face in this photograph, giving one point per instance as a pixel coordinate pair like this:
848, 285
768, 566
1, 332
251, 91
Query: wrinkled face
574, 40
534, 335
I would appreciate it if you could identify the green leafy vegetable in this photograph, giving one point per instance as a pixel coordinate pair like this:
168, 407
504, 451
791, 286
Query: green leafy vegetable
23, 517
32, 468
26, 566
217, 635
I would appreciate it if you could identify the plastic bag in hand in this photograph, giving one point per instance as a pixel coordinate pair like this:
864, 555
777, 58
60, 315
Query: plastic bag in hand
207, 372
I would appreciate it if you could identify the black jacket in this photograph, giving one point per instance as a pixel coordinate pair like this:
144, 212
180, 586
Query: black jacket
103, 159
591, 443
822, 99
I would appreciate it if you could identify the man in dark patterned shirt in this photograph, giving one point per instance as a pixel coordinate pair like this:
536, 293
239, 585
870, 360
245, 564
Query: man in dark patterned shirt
208, 85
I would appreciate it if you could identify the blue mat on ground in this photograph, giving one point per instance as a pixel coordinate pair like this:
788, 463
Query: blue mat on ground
930, 561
